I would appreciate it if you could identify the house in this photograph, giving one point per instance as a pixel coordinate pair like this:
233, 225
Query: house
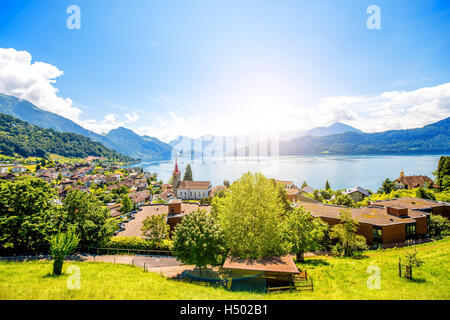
18, 169
4, 169
287, 184
141, 197
193, 190
189, 190
46, 177
307, 189
7, 176
411, 182
216, 189
293, 194
357, 193
382, 226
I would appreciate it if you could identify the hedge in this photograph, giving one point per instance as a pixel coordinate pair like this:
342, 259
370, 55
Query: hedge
138, 243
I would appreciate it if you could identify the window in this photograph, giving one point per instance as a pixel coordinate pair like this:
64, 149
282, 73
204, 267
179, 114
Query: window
377, 237
410, 231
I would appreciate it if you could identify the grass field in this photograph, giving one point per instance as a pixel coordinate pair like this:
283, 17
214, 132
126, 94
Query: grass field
334, 278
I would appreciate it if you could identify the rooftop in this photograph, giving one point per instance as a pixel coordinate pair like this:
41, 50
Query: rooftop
194, 185
410, 203
375, 215
269, 264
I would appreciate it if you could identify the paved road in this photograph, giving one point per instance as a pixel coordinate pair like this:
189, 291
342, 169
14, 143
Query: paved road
167, 266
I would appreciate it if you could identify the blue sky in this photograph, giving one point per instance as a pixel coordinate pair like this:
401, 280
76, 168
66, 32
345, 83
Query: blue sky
168, 68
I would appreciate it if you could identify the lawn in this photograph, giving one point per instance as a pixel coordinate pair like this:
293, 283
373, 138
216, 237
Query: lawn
334, 278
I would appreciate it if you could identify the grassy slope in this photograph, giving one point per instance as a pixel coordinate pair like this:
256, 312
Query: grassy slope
334, 278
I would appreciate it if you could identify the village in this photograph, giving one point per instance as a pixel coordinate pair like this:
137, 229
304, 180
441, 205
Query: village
133, 196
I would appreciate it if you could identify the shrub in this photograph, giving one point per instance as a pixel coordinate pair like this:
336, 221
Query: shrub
61, 245
139, 243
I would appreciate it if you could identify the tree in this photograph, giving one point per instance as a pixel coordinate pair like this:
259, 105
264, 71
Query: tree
170, 180
439, 225
61, 245
199, 240
327, 186
127, 204
304, 232
424, 194
156, 227
226, 183
87, 215
412, 260
250, 214
282, 194
188, 173
304, 184
27, 217
343, 200
387, 186
345, 233
443, 173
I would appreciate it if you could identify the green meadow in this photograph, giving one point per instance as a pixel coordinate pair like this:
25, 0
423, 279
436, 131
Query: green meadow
334, 278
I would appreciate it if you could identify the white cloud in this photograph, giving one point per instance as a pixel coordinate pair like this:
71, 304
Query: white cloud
133, 117
389, 110
33, 81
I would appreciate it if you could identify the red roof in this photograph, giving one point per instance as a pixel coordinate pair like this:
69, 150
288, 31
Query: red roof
176, 167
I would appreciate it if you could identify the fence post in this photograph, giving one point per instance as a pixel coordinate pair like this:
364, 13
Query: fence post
144, 267
399, 267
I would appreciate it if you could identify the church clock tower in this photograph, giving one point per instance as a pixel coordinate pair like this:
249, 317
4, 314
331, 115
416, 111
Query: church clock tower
176, 177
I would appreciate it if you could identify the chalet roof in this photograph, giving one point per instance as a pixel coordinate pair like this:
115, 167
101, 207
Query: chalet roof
268, 264
194, 185
415, 181
307, 189
357, 189
287, 184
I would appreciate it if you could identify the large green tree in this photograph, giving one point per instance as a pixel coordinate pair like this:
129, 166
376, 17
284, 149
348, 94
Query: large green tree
304, 232
251, 214
87, 214
199, 240
27, 217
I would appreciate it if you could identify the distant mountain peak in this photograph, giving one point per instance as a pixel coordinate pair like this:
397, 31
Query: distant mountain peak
335, 128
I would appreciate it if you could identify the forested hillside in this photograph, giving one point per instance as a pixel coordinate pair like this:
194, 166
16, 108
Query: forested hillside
26, 140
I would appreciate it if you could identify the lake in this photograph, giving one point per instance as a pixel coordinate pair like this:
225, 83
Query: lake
341, 171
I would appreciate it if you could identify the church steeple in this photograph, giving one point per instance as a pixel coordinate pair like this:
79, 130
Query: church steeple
176, 175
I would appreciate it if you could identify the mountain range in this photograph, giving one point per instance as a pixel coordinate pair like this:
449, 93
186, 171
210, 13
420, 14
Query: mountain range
432, 139
122, 140
337, 138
